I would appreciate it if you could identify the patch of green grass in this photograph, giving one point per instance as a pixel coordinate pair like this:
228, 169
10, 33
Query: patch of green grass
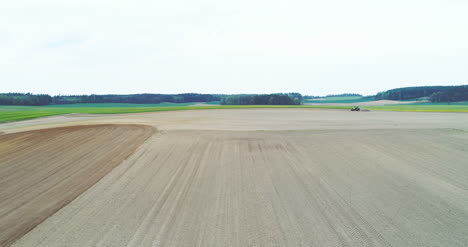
341, 98
103, 105
213, 103
444, 103
347, 99
421, 107
17, 113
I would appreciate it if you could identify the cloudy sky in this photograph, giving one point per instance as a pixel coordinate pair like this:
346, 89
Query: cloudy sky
313, 47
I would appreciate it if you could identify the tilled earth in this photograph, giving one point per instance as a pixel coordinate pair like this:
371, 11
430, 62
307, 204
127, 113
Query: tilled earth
43, 170
255, 182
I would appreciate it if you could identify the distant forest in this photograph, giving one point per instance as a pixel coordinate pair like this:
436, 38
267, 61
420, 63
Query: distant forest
43, 99
255, 99
24, 99
434, 93
262, 99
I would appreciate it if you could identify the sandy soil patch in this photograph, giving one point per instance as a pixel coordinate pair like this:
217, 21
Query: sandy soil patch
41, 171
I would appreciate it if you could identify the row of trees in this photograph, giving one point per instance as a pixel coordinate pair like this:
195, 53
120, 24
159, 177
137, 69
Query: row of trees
408, 93
25, 99
43, 99
251, 99
262, 99
434, 93
137, 98
452, 94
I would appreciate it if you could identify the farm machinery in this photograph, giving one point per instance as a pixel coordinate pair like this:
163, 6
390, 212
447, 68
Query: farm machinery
357, 108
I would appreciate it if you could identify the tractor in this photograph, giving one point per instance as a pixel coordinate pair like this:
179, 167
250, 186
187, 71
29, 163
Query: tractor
356, 108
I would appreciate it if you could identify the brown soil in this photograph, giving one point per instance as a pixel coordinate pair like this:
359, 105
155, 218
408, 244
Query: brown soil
275, 188
264, 177
43, 170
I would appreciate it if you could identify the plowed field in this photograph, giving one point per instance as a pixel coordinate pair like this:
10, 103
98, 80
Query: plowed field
43, 170
250, 178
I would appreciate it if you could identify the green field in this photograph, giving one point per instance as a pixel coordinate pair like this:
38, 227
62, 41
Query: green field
213, 103
341, 99
16, 113
441, 104
421, 107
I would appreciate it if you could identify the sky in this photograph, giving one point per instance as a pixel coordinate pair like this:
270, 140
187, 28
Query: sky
242, 46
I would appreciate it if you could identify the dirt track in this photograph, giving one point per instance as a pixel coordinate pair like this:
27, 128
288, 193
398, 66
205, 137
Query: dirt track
276, 178
41, 171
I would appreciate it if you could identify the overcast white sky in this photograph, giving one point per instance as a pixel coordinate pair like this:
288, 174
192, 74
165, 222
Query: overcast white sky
313, 47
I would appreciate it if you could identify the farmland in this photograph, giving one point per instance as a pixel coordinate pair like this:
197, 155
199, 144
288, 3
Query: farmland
17, 113
341, 99
238, 177
77, 157
460, 107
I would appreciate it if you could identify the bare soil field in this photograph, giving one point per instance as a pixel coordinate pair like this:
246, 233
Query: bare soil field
256, 119
369, 103
43, 170
269, 177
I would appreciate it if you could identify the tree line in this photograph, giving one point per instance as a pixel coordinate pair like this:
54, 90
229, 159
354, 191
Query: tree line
25, 99
251, 99
44, 99
136, 98
434, 93
263, 99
